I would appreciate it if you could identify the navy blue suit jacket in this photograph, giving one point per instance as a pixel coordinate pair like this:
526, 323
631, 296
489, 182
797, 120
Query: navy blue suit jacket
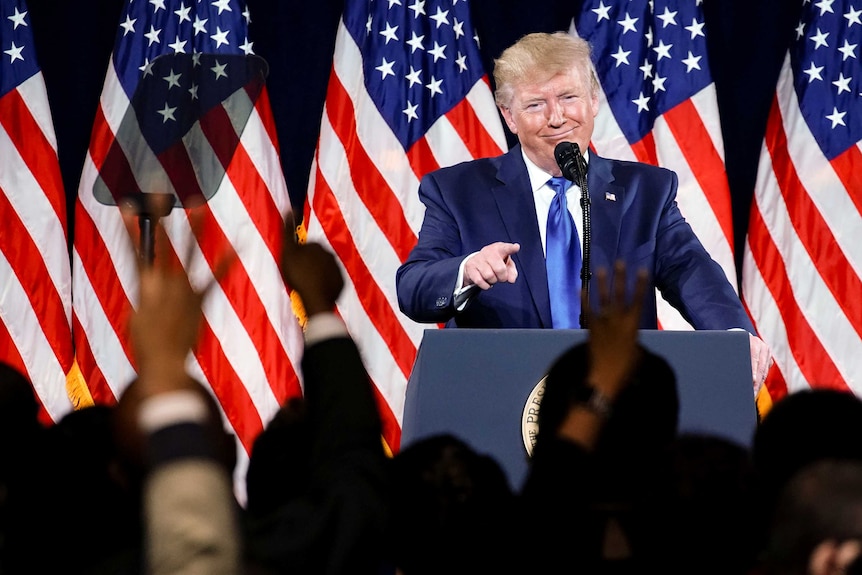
634, 218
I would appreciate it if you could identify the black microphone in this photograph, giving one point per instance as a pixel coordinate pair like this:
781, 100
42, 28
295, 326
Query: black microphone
566, 154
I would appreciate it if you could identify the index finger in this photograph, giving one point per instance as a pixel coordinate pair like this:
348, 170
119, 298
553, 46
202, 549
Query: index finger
510, 249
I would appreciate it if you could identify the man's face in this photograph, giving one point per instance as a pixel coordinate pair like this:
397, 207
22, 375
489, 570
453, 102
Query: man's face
543, 114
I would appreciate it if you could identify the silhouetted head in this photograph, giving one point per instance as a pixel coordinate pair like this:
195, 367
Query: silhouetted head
709, 520
18, 406
644, 417
803, 427
819, 507
626, 475
452, 508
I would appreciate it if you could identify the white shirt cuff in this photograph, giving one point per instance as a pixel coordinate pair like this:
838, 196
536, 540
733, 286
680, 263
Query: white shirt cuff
164, 409
326, 325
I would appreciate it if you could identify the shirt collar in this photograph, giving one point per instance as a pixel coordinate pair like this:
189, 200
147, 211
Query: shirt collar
538, 176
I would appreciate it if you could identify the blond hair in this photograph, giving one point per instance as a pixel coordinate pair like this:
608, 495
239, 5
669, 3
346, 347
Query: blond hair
539, 56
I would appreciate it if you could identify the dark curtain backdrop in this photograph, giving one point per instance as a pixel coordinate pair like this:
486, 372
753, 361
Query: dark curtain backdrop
748, 40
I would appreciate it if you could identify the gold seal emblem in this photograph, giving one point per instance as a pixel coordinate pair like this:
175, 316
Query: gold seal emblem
530, 416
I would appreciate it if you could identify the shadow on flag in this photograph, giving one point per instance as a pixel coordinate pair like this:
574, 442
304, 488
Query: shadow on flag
182, 127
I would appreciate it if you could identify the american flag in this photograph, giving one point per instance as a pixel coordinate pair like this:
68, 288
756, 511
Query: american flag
803, 256
407, 94
659, 106
183, 108
36, 300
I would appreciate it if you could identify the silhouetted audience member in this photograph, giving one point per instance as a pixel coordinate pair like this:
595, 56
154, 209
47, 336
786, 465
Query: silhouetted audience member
180, 459
453, 511
331, 512
98, 501
19, 410
610, 493
318, 484
801, 428
19, 425
817, 525
284, 445
61, 489
805, 426
709, 521
76, 494
22, 454
168, 425
601, 463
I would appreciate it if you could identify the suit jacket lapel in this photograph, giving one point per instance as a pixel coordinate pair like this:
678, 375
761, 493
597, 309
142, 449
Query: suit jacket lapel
518, 212
607, 205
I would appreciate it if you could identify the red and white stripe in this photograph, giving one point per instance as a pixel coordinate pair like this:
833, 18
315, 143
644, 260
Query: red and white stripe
36, 301
802, 266
251, 342
362, 203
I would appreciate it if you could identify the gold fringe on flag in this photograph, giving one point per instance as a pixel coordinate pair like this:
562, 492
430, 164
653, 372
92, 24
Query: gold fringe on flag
76, 388
764, 402
295, 301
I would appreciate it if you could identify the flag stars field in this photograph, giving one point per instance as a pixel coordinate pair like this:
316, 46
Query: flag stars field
414, 43
627, 33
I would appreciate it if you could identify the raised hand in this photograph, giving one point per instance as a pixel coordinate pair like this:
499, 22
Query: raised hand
312, 271
613, 329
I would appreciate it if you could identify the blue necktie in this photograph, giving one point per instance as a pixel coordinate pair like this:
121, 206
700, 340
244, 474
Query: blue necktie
563, 260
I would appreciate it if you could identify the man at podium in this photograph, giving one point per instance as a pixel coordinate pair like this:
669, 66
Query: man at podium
487, 254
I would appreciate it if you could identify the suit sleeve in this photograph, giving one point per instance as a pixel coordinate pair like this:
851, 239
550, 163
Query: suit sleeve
425, 283
190, 510
687, 276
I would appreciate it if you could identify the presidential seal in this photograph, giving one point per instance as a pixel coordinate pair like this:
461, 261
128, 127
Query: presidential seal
530, 416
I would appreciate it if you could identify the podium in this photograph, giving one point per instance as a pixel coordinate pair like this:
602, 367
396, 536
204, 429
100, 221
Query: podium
475, 383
